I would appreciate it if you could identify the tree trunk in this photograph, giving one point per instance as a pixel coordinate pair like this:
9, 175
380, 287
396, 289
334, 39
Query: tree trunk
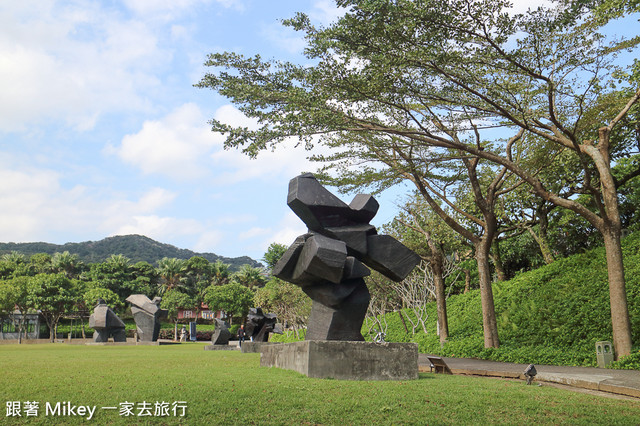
544, 246
467, 280
21, 327
489, 322
441, 302
497, 261
175, 331
406, 330
617, 293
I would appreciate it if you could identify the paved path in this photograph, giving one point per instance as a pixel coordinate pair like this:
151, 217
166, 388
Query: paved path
622, 382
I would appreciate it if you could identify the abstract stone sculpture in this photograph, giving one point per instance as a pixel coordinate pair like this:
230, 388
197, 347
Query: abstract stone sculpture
328, 262
147, 315
259, 325
106, 324
221, 334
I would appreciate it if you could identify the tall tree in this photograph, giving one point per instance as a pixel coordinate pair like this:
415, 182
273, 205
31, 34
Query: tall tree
172, 274
234, 299
67, 263
173, 301
53, 295
393, 81
14, 294
250, 277
199, 277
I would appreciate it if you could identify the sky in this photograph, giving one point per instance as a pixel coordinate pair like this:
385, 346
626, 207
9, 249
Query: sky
102, 132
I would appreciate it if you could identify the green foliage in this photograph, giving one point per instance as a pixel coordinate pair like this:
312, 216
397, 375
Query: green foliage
235, 299
290, 304
273, 254
173, 301
54, 295
249, 277
629, 362
552, 315
91, 296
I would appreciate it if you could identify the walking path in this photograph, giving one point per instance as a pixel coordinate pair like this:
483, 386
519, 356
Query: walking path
622, 382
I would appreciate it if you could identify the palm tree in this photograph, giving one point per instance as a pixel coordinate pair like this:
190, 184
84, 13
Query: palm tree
66, 262
172, 274
219, 273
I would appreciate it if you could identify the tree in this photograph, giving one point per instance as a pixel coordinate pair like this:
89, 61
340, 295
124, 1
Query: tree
273, 254
67, 263
40, 263
287, 301
234, 299
173, 301
220, 273
249, 276
395, 81
54, 295
428, 235
171, 272
117, 275
199, 278
13, 294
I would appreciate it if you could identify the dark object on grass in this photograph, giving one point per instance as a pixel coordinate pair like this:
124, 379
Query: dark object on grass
147, 315
530, 373
106, 324
259, 325
221, 334
328, 262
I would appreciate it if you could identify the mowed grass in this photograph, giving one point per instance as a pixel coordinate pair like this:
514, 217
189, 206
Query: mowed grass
228, 387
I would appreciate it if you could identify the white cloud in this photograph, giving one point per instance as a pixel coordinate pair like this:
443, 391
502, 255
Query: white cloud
73, 63
160, 228
326, 12
35, 206
181, 146
173, 146
208, 241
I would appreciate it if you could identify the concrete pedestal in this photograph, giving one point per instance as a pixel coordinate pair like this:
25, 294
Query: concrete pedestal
249, 347
330, 359
221, 348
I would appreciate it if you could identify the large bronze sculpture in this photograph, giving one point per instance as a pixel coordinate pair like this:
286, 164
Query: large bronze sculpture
328, 262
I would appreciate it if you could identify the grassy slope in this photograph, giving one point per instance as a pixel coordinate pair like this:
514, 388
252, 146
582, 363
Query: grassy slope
230, 388
553, 315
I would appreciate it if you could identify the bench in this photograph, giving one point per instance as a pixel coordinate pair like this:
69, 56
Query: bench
439, 365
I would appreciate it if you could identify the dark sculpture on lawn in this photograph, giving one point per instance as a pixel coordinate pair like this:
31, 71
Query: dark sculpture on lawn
259, 325
147, 315
221, 333
328, 262
106, 324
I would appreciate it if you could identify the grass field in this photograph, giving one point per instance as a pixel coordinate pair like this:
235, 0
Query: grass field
228, 387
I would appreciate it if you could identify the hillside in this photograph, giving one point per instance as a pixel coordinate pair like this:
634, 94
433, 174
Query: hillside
135, 247
551, 315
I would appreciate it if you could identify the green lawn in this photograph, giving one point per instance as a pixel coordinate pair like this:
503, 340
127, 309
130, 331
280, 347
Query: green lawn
225, 387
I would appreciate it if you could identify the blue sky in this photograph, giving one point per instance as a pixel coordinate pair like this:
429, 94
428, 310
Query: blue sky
102, 132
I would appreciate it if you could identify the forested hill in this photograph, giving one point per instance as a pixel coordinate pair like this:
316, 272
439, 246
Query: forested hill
135, 247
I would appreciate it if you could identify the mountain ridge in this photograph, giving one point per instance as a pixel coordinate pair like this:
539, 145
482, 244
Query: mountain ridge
136, 247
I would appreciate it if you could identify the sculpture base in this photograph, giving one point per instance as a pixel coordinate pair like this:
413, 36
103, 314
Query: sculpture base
255, 347
221, 348
328, 359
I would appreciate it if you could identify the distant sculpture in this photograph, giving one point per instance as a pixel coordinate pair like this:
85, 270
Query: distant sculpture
221, 334
147, 315
328, 262
259, 325
106, 324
